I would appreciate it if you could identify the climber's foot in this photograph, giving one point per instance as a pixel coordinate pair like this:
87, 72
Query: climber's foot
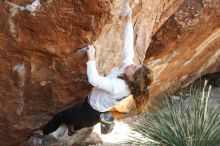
38, 138
37, 134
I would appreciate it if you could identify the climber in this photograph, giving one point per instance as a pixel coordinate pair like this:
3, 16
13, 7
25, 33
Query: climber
107, 91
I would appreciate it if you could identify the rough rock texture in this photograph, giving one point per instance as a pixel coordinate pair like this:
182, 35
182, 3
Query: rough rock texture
186, 47
40, 73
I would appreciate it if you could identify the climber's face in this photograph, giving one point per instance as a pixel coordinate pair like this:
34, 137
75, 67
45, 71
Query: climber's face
129, 71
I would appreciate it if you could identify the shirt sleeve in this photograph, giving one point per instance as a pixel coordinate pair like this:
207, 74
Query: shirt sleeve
128, 51
112, 85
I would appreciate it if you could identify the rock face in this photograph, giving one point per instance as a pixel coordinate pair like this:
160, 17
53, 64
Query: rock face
41, 73
186, 47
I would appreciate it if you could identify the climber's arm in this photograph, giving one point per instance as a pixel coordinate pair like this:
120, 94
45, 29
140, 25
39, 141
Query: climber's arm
110, 85
128, 48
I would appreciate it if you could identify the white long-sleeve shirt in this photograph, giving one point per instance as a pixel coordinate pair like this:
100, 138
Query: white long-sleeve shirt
109, 90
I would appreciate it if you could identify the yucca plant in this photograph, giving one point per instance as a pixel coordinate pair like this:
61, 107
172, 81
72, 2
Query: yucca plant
190, 122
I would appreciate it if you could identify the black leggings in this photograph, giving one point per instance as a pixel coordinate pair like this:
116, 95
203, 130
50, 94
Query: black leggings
81, 117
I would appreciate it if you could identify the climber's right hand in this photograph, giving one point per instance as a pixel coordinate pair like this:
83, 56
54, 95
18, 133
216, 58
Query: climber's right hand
91, 53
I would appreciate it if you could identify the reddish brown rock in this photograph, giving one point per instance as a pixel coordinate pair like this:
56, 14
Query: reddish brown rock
40, 73
20, 2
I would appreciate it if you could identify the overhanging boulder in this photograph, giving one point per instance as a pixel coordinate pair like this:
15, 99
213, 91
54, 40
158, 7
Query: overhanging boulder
40, 73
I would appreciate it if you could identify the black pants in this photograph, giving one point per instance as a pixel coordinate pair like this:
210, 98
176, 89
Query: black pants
80, 117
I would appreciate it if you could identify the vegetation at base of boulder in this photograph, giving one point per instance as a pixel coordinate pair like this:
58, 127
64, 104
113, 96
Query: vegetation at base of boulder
190, 122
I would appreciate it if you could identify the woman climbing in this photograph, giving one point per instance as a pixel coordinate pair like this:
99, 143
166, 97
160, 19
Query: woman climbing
107, 91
